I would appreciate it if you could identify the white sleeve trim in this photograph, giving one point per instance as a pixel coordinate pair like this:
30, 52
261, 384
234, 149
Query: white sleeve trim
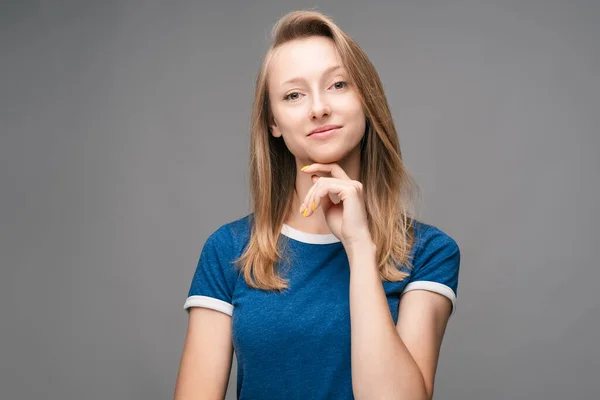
208, 302
436, 287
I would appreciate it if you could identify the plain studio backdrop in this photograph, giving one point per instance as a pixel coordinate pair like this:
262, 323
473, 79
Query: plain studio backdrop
124, 144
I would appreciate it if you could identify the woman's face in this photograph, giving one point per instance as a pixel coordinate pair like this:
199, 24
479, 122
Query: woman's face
310, 90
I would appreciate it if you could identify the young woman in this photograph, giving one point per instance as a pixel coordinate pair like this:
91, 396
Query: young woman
330, 288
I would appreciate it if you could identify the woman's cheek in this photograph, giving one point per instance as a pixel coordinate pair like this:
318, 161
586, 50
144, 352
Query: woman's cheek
294, 145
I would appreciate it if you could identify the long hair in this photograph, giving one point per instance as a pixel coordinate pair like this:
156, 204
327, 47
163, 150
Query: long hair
388, 188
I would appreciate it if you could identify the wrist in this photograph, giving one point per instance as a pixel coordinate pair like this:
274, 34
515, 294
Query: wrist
361, 249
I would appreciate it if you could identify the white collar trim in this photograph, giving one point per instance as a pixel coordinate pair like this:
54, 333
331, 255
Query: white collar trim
311, 238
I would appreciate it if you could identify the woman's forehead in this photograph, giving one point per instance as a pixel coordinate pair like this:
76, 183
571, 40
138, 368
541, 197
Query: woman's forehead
303, 58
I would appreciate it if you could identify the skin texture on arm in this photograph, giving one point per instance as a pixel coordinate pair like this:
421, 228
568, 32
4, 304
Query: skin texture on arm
422, 320
206, 358
393, 362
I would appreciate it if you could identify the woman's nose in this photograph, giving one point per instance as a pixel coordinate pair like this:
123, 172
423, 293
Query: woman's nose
320, 108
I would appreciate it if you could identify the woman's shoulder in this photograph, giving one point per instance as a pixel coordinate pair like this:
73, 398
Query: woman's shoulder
234, 233
428, 235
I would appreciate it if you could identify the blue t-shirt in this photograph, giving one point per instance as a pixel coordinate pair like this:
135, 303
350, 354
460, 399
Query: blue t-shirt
296, 344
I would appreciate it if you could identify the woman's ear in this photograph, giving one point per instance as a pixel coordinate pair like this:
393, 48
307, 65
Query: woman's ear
274, 128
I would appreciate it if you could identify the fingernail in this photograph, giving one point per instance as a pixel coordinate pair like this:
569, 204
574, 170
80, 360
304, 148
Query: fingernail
305, 212
302, 208
313, 206
304, 168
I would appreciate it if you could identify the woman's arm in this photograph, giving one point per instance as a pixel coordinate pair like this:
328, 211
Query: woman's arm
384, 366
388, 362
207, 354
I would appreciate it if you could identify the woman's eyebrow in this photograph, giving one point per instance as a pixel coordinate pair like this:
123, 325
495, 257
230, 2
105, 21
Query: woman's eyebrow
326, 72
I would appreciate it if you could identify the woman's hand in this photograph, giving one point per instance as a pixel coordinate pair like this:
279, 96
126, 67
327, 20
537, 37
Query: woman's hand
343, 204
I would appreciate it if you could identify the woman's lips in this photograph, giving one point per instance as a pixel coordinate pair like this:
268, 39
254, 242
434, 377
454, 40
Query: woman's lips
324, 134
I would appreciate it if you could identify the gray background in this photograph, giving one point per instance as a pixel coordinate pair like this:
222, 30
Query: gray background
124, 144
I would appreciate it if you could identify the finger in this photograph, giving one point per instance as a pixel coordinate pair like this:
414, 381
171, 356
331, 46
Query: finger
324, 192
307, 202
333, 197
311, 201
334, 169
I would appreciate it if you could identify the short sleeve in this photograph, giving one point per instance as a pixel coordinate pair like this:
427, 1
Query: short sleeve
436, 265
214, 279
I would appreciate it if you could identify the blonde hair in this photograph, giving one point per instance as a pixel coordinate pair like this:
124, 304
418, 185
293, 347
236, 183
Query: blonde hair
388, 187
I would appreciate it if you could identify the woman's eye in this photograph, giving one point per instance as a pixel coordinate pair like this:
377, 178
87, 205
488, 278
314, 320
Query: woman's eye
292, 96
295, 95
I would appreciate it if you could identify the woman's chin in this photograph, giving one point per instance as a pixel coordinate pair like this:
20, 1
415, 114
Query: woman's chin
329, 157
326, 159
